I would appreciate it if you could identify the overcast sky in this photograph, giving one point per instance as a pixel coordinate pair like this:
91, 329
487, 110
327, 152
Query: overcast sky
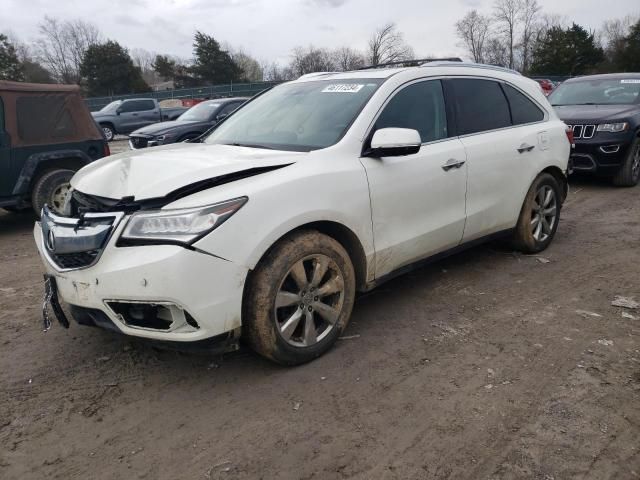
269, 29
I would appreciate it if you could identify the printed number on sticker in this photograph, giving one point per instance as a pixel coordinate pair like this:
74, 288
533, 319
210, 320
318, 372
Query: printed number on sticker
344, 88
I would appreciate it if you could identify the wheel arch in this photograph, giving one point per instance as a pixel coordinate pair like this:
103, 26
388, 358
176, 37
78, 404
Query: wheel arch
40, 163
343, 235
109, 124
559, 175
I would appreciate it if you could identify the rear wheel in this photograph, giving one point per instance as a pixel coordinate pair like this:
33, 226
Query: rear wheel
629, 173
299, 299
51, 189
539, 216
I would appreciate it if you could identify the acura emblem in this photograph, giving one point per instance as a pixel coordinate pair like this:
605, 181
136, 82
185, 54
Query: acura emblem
51, 241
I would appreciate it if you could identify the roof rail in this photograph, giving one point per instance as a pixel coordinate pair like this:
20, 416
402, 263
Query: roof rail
411, 63
469, 64
316, 74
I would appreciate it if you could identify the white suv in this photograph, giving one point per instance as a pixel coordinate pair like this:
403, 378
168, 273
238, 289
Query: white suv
312, 191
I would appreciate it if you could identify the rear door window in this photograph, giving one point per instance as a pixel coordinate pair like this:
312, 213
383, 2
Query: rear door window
523, 110
480, 105
137, 106
419, 106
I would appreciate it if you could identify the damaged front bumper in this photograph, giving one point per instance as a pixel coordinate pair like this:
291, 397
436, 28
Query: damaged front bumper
166, 293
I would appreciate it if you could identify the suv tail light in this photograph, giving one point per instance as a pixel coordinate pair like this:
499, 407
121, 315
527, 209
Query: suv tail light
569, 132
107, 150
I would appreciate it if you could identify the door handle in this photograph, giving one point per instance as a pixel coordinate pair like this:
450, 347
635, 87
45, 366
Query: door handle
452, 163
525, 148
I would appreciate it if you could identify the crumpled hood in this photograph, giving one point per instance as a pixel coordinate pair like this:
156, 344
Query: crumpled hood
594, 113
155, 172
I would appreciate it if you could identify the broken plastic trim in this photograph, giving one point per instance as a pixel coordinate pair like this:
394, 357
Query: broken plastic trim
83, 203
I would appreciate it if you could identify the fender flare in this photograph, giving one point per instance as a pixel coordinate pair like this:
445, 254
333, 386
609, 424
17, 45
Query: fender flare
34, 161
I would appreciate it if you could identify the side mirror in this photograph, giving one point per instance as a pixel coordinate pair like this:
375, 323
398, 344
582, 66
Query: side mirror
394, 142
221, 117
118, 111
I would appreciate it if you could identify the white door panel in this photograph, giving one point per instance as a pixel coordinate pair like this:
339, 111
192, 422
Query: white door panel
418, 208
499, 177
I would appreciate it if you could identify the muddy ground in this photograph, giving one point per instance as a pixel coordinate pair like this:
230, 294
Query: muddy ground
489, 365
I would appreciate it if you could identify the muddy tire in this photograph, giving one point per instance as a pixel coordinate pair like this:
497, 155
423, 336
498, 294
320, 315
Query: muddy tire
299, 298
50, 189
629, 173
539, 216
108, 130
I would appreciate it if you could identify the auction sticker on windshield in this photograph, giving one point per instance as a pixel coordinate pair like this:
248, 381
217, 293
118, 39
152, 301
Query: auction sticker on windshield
343, 88
632, 80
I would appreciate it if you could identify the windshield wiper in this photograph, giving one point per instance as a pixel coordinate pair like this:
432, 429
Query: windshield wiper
249, 145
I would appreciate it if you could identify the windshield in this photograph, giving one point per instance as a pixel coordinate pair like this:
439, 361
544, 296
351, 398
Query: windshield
297, 116
111, 107
201, 112
597, 92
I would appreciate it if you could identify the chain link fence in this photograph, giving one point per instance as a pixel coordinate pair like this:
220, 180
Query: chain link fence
212, 91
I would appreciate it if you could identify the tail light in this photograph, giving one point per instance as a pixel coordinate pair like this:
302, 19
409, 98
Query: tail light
107, 150
569, 132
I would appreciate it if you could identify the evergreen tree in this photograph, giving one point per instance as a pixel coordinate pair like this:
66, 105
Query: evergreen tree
212, 64
571, 51
10, 66
107, 69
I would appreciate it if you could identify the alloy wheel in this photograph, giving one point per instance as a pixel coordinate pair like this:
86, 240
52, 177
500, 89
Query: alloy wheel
108, 133
309, 301
59, 197
544, 214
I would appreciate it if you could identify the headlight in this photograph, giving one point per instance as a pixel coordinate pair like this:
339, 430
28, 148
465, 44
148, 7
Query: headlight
180, 225
613, 127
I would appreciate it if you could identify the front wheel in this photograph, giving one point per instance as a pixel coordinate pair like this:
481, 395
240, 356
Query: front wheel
108, 131
52, 189
299, 299
539, 216
629, 173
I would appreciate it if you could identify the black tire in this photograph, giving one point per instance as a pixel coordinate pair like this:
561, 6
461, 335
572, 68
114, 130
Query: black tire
528, 237
263, 322
108, 131
47, 190
629, 173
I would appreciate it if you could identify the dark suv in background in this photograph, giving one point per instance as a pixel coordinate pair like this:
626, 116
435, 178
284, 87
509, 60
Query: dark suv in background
191, 124
46, 135
604, 113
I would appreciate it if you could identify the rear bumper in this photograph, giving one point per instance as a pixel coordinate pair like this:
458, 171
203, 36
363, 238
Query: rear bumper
200, 294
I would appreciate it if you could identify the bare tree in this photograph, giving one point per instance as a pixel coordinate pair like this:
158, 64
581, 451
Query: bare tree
273, 72
614, 31
309, 60
346, 58
387, 45
496, 52
144, 60
507, 14
473, 30
528, 17
62, 45
251, 69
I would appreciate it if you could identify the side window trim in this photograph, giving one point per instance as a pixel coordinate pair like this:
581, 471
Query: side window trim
545, 113
371, 128
450, 99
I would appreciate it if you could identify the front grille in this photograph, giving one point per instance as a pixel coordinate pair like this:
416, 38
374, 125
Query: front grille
139, 142
583, 131
72, 243
75, 260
